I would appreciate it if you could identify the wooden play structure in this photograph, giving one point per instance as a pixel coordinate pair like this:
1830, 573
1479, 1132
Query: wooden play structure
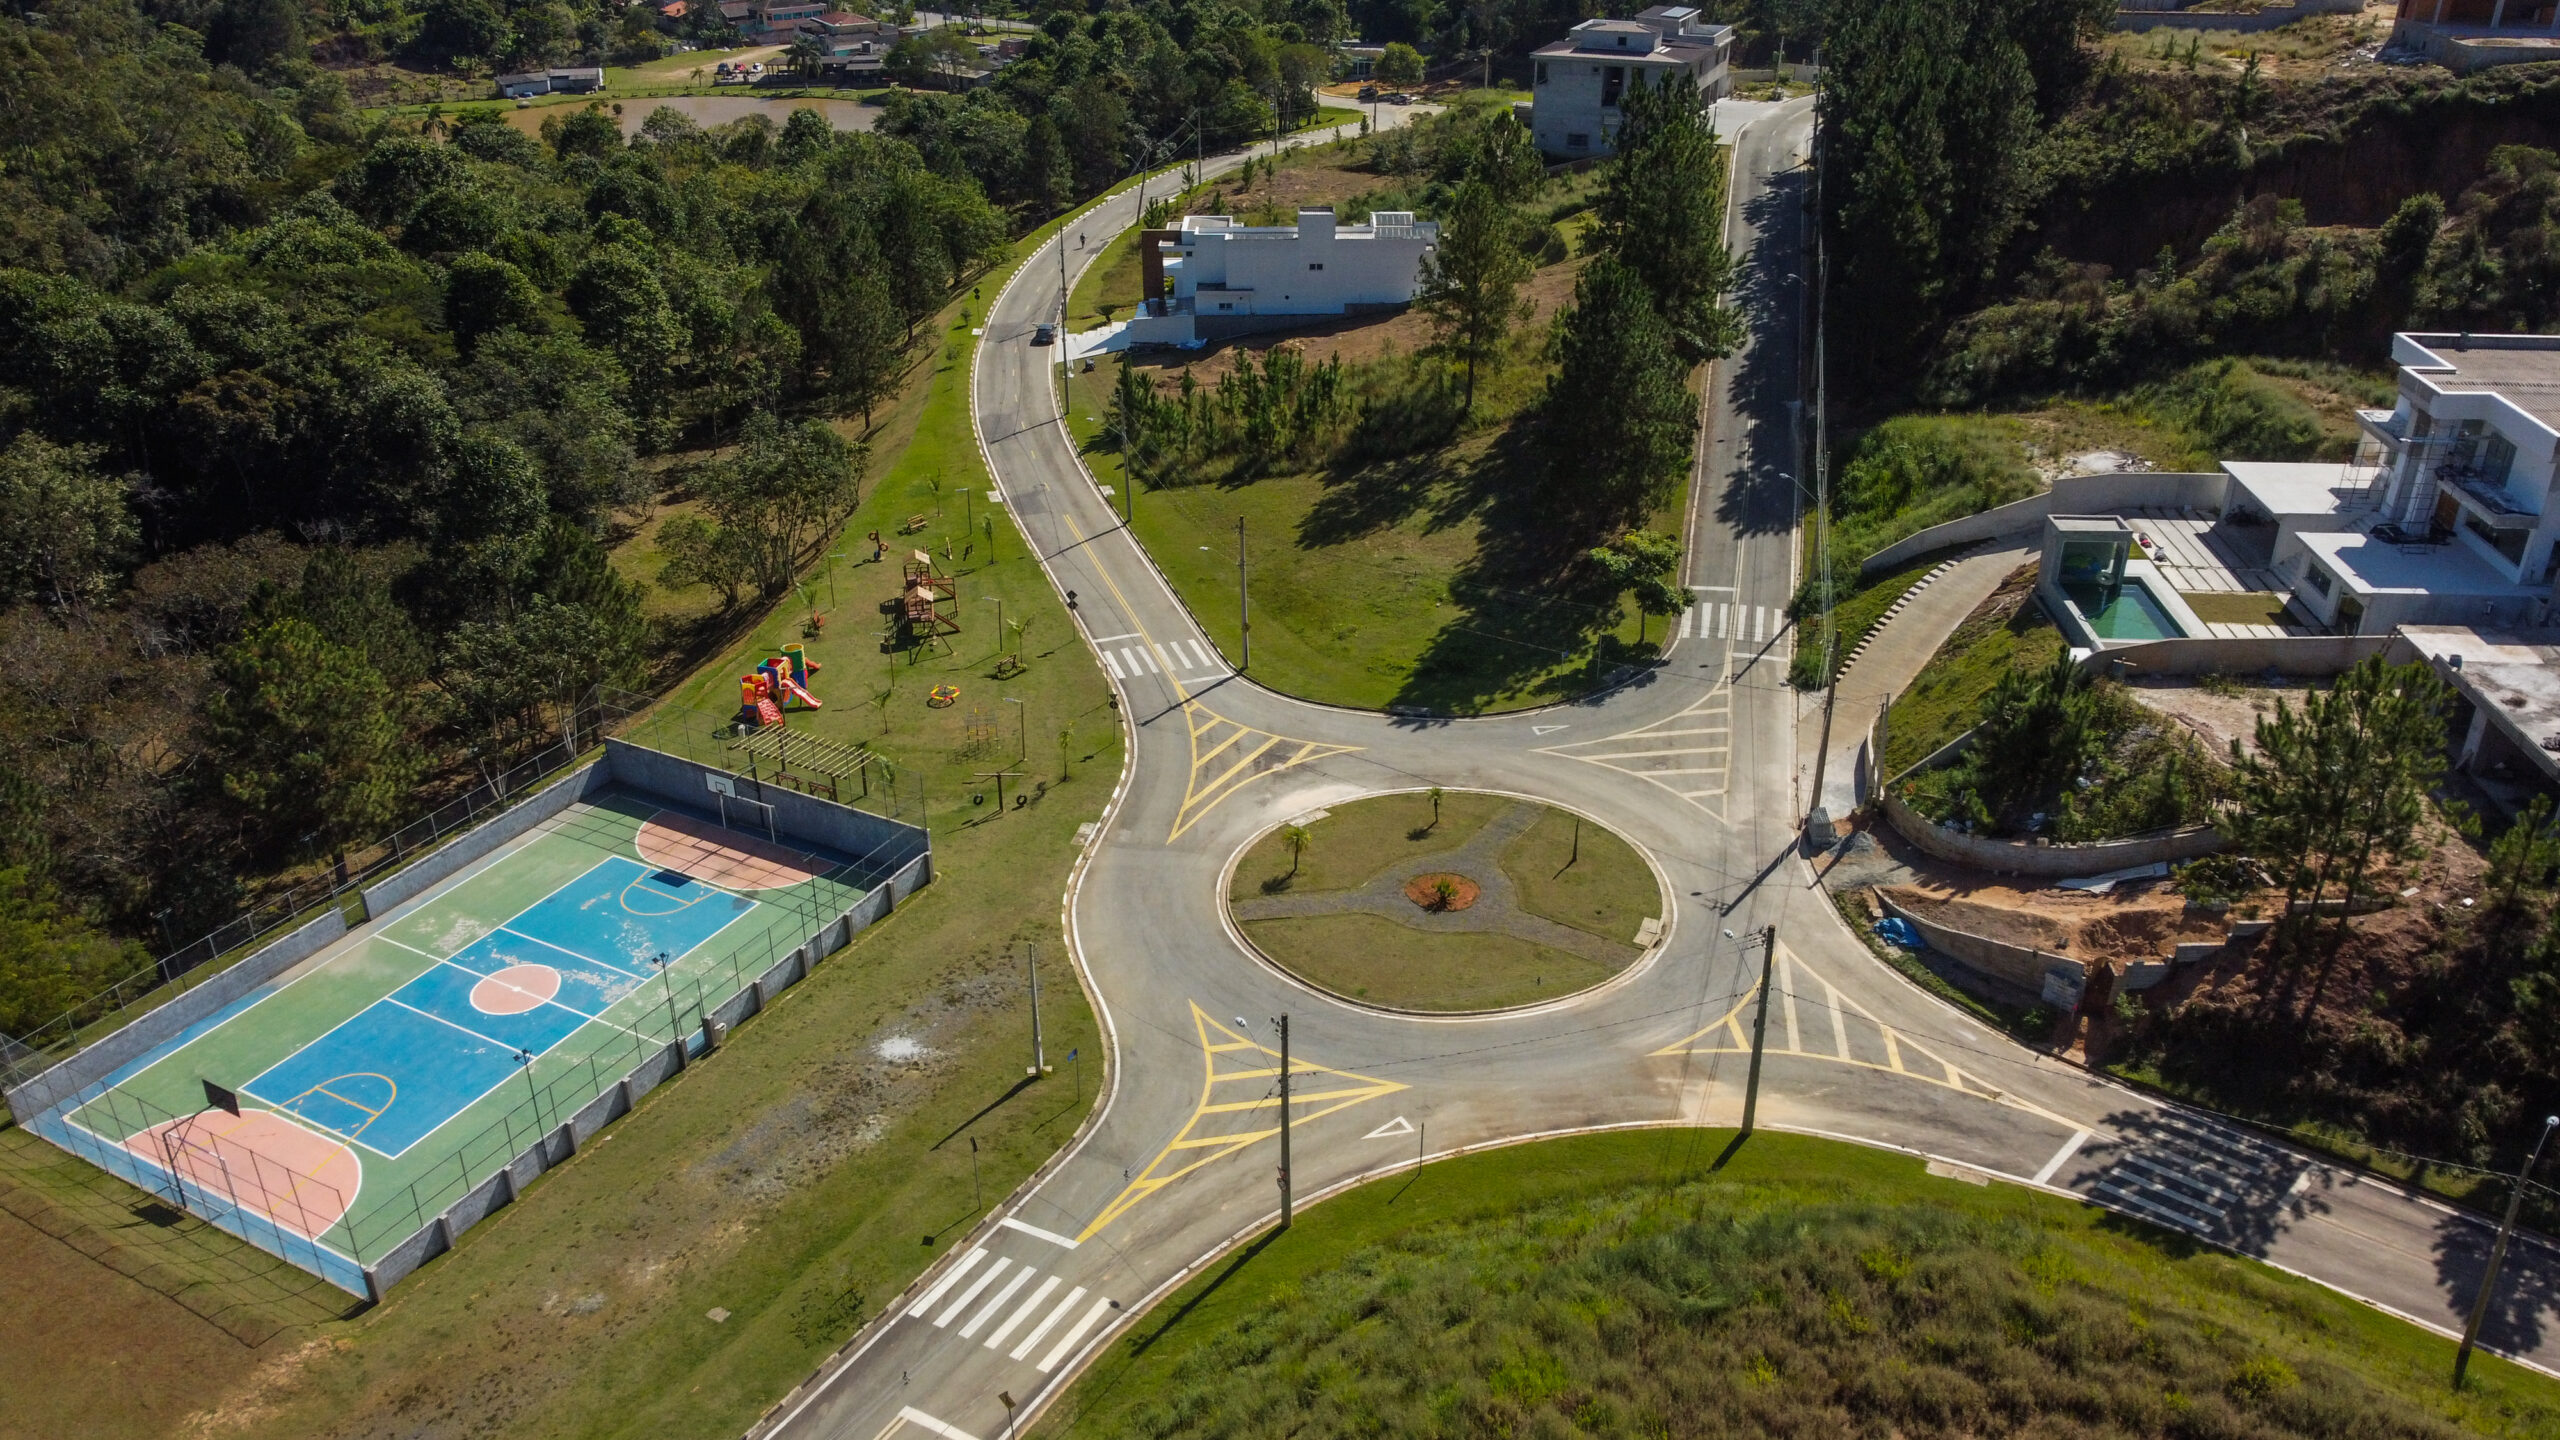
928, 603
805, 762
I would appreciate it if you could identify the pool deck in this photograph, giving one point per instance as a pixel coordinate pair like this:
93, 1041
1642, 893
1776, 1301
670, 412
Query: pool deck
2197, 555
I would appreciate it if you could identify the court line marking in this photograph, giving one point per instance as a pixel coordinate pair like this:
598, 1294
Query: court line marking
595, 1019
512, 1050
563, 949
294, 1121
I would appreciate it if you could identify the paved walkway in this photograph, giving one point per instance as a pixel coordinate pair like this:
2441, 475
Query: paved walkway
1894, 654
1496, 911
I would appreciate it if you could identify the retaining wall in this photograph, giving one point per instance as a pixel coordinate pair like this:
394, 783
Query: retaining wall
880, 843
2019, 965
557, 1145
432, 870
2300, 657
2070, 495
2137, 16
2055, 862
84, 1068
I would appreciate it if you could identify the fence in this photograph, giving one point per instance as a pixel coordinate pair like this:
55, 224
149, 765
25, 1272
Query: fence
689, 1014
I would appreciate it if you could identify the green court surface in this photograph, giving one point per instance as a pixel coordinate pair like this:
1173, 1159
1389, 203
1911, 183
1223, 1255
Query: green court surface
410, 1061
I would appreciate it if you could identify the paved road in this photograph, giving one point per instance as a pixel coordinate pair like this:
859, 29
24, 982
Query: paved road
1693, 760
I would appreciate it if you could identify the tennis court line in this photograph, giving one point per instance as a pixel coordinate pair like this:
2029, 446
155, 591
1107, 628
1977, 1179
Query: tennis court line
119, 1147
573, 954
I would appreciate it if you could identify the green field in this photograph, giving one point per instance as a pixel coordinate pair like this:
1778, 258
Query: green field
1657, 1283
1361, 933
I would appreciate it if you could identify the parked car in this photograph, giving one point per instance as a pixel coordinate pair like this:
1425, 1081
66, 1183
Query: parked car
1044, 333
1368, 94
1399, 98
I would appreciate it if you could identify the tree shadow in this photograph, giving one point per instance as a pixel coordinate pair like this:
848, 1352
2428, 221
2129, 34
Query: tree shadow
1769, 371
2527, 1298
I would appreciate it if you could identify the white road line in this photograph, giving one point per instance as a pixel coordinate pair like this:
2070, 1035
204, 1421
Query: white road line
985, 1278
1839, 1022
1148, 660
2069, 1148
926, 1301
1024, 1311
1208, 657
995, 1302
1036, 1233
912, 1416
1170, 663
1091, 1318
1107, 639
1112, 665
1723, 608
1043, 1327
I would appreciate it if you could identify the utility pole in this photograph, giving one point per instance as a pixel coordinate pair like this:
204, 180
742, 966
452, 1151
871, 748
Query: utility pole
1759, 1028
1822, 470
1286, 1191
2497, 1252
1039, 1057
1066, 361
1244, 602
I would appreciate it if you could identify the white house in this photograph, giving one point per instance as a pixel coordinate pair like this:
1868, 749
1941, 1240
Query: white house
1211, 278
1580, 80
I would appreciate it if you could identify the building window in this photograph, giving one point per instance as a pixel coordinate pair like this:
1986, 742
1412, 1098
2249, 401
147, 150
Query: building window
1613, 80
2319, 579
1315, 264
2509, 543
1542, 72
1577, 142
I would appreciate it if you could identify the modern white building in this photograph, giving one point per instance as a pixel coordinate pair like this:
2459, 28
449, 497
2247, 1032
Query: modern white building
1581, 80
1211, 278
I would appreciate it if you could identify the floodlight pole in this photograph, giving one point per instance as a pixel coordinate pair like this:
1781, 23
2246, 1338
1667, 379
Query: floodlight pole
1287, 1192
2497, 1253
1244, 599
1759, 1028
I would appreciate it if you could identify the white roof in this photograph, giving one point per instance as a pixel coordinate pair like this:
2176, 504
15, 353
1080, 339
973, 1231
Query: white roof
2286, 488
2372, 567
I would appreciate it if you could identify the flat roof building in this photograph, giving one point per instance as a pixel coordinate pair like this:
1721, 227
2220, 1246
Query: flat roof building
1581, 81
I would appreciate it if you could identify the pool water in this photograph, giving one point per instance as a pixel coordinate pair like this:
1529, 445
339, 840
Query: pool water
2124, 612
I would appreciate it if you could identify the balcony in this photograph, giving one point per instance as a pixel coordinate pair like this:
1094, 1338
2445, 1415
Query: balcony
2490, 495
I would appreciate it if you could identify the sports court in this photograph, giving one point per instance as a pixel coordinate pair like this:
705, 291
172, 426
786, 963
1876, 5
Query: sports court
384, 1078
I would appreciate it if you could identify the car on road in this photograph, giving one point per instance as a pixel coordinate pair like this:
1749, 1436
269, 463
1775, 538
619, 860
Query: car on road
1044, 333
1399, 98
1368, 94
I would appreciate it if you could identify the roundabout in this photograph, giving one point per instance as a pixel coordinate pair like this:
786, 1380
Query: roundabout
1465, 903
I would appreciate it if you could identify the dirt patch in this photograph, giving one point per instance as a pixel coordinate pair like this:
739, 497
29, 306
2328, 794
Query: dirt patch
2146, 924
2216, 718
1424, 890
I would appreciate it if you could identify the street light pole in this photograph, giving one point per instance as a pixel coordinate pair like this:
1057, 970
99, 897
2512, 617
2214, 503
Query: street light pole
1039, 1057
2497, 1253
1286, 1191
1244, 601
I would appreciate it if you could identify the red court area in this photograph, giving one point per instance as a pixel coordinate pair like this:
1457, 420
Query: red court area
515, 990
260, 1162
730, 859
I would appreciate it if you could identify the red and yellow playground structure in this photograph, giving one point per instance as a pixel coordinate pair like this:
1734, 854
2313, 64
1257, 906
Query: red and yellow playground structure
780, 683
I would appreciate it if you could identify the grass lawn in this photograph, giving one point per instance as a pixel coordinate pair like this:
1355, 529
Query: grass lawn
796, 1180
1627, 1284
2006, 632
1858, 612
1372, 958
2247, 607
1598, 885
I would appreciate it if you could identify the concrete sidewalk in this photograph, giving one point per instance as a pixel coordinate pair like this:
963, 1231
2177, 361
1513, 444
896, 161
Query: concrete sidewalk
1893, 654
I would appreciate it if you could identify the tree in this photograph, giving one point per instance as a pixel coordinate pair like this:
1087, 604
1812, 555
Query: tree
701, 553
65, 528
1047, 177
1619, 409
483, 294
51, 960
1297, 839
1433, 795
2033, 735
1398, 64
301, 734
783, 490
1471, 279
571, 568
1662, 213
502, 676
2331, 784
1646, 563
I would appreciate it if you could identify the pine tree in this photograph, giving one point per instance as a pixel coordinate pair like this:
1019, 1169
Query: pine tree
1619, 409
1472, 278
1662, 213
302, 735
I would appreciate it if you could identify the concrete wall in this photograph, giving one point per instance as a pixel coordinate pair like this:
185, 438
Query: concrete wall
58, 1086
2057, 862
557, 1145
2299, 657
2019, 965
2465, 48
440, 865
881, 844
2070, 495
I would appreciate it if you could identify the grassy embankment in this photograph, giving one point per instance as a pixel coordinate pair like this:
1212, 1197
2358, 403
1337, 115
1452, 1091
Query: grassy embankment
794, 1182
1574, 873
1425, 577
1626, 1284
2006, 632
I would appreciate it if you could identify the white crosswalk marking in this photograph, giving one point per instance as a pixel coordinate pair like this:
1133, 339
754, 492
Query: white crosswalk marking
1068, 1342
1044, 1326
994, 1303
1726, 620
1169, 662
1145, 659
1023, 1312
950, 1278
1111, 662
985, 1278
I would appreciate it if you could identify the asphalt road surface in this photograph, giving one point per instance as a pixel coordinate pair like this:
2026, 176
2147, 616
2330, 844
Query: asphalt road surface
1694, 760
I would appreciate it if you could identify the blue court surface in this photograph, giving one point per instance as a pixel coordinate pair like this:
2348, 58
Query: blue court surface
392, 1073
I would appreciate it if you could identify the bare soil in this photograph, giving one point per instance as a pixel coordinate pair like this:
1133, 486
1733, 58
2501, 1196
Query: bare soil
2147, 923
1423, 890
2217, 720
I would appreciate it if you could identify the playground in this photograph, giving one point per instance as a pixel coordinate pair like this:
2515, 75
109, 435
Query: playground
333, 1112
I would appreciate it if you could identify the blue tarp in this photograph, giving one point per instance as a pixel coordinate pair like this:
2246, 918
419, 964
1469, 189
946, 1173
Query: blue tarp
1899, 931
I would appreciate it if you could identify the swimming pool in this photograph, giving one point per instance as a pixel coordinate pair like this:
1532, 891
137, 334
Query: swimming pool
2128, 611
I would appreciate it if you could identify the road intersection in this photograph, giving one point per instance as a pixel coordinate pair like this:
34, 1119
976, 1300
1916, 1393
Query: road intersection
1692, 759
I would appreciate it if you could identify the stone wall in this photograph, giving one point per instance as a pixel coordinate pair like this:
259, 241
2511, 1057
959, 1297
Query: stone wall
2054, 862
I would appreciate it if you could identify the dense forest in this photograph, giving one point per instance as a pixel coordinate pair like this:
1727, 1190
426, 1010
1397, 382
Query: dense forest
314, 429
